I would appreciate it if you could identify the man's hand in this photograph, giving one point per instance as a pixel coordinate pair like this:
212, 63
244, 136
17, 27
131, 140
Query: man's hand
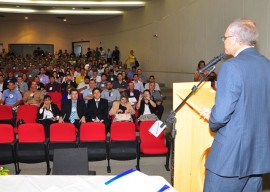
205, 113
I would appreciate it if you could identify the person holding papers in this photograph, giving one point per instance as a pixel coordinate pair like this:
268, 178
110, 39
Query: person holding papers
48, 113
122, 107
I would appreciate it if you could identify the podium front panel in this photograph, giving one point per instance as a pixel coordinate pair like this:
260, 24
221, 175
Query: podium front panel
193, 137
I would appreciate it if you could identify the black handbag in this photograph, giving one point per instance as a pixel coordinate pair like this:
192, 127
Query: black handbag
137, 64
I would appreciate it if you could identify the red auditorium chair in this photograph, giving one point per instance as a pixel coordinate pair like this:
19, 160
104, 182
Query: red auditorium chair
32, 146
27, 113
123, 144
7, 146
56, 98
151, 145
93, 137
6, 116
62, 135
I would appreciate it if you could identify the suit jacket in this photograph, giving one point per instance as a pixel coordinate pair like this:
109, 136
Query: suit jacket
241, 117
55, 111
66, 109
101, 112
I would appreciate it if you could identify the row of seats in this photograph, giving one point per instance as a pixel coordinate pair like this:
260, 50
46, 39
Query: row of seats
32, 147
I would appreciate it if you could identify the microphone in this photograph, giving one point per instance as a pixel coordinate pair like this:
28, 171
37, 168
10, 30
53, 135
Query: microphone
212, 62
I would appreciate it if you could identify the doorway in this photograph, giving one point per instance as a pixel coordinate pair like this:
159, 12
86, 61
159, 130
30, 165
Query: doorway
80, 47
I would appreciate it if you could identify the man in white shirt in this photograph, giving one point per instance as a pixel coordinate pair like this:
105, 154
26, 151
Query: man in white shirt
152, 80
137, 84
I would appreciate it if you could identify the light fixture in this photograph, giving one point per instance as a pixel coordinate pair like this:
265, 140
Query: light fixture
85, 12
65, 20
77, 3
11, 10
25, 18
71, 12
73, 8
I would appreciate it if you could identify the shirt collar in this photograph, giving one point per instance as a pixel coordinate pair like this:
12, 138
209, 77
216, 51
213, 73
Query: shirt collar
242, 49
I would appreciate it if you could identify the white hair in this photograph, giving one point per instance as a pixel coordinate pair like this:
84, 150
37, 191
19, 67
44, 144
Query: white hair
244, 30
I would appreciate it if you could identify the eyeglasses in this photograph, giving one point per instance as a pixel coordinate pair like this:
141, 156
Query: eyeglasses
223, 39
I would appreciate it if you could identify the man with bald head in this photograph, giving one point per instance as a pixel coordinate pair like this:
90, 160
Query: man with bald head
240, 153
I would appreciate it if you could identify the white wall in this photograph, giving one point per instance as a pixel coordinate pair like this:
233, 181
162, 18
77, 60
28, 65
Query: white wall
188, 31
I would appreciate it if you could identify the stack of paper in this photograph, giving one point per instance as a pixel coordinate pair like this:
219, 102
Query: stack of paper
132, 180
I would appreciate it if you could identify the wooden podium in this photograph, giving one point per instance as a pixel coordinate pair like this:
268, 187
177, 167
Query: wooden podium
193, 136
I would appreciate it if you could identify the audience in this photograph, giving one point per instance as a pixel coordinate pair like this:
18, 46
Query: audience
95, 97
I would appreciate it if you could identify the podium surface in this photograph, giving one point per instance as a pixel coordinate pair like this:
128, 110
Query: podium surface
193, 136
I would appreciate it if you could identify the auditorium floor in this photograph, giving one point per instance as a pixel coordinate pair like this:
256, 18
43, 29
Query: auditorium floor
148, 165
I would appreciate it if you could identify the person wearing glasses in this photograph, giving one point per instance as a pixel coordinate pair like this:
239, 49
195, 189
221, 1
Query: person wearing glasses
240, 153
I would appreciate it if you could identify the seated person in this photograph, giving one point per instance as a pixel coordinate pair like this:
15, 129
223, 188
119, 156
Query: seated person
33, 96
97, 109
11, 97
110, 94
84, 85
122, 107
88, 93
145, 104
53, 86
48, 113
66, 94
120, 84
197, 75
102, 84
152, 80
133, 94
73, 110
137, 84
156, 96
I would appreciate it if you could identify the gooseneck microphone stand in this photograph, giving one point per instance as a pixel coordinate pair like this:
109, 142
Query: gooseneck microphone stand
172, 120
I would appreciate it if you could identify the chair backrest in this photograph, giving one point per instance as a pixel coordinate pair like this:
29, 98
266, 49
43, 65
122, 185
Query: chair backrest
149, 140
62, 132
5, 112
6, 133
123, 131
56, 98
28, 113
92, 131
31, 133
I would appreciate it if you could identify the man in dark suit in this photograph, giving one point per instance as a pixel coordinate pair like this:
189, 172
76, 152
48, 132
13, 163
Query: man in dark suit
97, 109
240, 152
73, 110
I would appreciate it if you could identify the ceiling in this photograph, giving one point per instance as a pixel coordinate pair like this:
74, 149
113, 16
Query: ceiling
40, 10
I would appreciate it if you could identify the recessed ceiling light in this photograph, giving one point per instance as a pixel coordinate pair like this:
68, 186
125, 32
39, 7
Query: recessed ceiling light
17, 6
73, 8
26, 18
64, 20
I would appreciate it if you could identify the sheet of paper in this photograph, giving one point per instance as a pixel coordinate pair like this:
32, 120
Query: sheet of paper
132, 180
156, 128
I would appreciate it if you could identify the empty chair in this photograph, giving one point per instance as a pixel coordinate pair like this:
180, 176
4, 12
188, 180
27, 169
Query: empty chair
72, 161
62, 135
123, 143
93, 137
151, 145
56, 98
32, 146
7, 146
27, 113
6, 116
